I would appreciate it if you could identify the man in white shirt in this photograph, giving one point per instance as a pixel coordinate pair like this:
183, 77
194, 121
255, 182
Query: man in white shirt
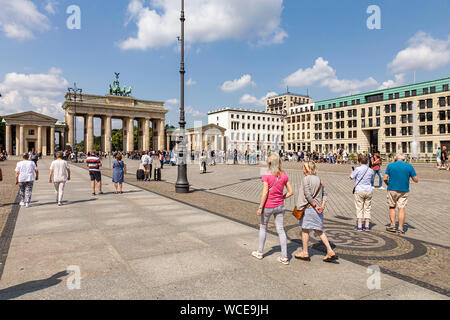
26, 174
146, 161
59, 175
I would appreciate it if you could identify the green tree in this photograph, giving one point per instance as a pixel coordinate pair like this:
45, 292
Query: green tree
117, 139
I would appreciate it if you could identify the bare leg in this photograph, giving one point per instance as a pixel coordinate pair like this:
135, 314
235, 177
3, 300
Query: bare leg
324, 239
392, 216
305, 239
93, 186
115, 187
120, 184
99, 185
401, 217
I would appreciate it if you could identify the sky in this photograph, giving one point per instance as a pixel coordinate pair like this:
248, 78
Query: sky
238, 52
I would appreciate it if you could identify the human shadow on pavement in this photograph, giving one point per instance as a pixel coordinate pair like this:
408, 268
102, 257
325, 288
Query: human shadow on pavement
31, 286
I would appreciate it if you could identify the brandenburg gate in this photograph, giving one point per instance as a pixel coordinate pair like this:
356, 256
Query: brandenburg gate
109, 107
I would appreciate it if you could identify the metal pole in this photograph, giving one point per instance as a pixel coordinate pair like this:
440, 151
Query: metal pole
182, 184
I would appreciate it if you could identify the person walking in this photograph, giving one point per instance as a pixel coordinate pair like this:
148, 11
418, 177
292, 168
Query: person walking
439, 158
119, 168
272, 203
363, 176
26, 174
376, 162
202, 162
312, 197
93, 162
397, 178
59, 175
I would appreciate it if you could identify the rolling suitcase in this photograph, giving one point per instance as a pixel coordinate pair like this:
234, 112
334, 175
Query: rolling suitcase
140, 175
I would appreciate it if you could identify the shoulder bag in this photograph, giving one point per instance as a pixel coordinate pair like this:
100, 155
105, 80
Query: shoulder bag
354, 188
300, 213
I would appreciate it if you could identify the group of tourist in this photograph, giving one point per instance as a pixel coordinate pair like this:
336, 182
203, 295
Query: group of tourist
442, 158
312, 199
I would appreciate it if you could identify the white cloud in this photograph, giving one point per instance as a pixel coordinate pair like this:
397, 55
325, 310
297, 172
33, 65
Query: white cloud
193, 112
158, 25
19, 19
323, 75
43, 93
249, 100
399, 81
191, 82
171, 103
238, 84
50, 6
424, 52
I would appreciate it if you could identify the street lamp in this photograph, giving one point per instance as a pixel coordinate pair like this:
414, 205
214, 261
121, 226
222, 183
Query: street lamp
182, 184
74, 94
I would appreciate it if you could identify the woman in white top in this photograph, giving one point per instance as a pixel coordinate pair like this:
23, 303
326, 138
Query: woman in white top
59, 175
26, 174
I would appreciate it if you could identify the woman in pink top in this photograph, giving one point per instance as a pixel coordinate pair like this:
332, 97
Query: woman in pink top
272, 203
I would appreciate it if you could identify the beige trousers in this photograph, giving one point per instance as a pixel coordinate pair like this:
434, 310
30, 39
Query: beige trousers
363, 203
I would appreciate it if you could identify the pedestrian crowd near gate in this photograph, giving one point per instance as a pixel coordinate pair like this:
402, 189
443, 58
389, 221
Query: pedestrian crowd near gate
311, 196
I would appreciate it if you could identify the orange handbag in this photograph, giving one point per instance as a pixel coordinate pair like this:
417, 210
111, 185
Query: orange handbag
300, 213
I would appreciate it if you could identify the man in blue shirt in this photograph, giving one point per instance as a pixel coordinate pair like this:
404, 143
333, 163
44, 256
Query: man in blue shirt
397, 178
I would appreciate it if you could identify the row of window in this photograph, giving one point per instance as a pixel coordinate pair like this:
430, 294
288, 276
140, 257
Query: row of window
238, 126
255, 137
254, 118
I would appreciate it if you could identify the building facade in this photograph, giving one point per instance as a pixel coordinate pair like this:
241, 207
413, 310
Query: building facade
284, 102
31, 130
250, 130
389, 120
209, 137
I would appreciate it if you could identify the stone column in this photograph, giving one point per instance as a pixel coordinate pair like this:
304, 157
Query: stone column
130, 135
161, 134
52, 141
71, 124
154, 135
8, 141
62, 138
140, 135
124, 130
44, 141
146, 135
21, 140
102, 133
223, 143
108, 135
90, 133
39, 141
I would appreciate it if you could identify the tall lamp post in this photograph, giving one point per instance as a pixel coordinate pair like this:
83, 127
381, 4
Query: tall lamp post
182, 184
74, 95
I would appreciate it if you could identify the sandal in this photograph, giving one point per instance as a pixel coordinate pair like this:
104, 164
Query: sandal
330, 258
391, 229
300, 256
401, 231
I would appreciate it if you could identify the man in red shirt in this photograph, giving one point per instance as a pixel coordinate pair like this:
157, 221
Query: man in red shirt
376, 167
93, 162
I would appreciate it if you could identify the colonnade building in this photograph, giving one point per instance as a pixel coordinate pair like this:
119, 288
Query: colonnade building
30, 130
387, 120
249, 130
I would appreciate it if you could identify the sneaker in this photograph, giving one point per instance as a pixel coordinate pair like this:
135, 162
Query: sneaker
380, 188
366, 228
257, 255
27, 205
21, 203
283, 260
59, 204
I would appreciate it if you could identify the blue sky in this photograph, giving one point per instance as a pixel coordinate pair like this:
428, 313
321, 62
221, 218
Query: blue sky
238, 51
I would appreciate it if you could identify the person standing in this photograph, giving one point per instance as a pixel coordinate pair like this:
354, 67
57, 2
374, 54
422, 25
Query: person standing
34, 156
397, 178
202, 162
272, 203
26, 174
438, 158
376, 162
145, 160
119, 169
59, 175
312, 197
156, 167
93, 162
444, 158
363, 176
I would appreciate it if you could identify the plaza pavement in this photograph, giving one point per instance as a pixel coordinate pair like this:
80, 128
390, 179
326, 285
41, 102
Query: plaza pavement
140, 245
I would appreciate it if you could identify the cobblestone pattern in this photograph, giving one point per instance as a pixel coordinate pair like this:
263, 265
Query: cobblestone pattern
412, 260
8, 209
